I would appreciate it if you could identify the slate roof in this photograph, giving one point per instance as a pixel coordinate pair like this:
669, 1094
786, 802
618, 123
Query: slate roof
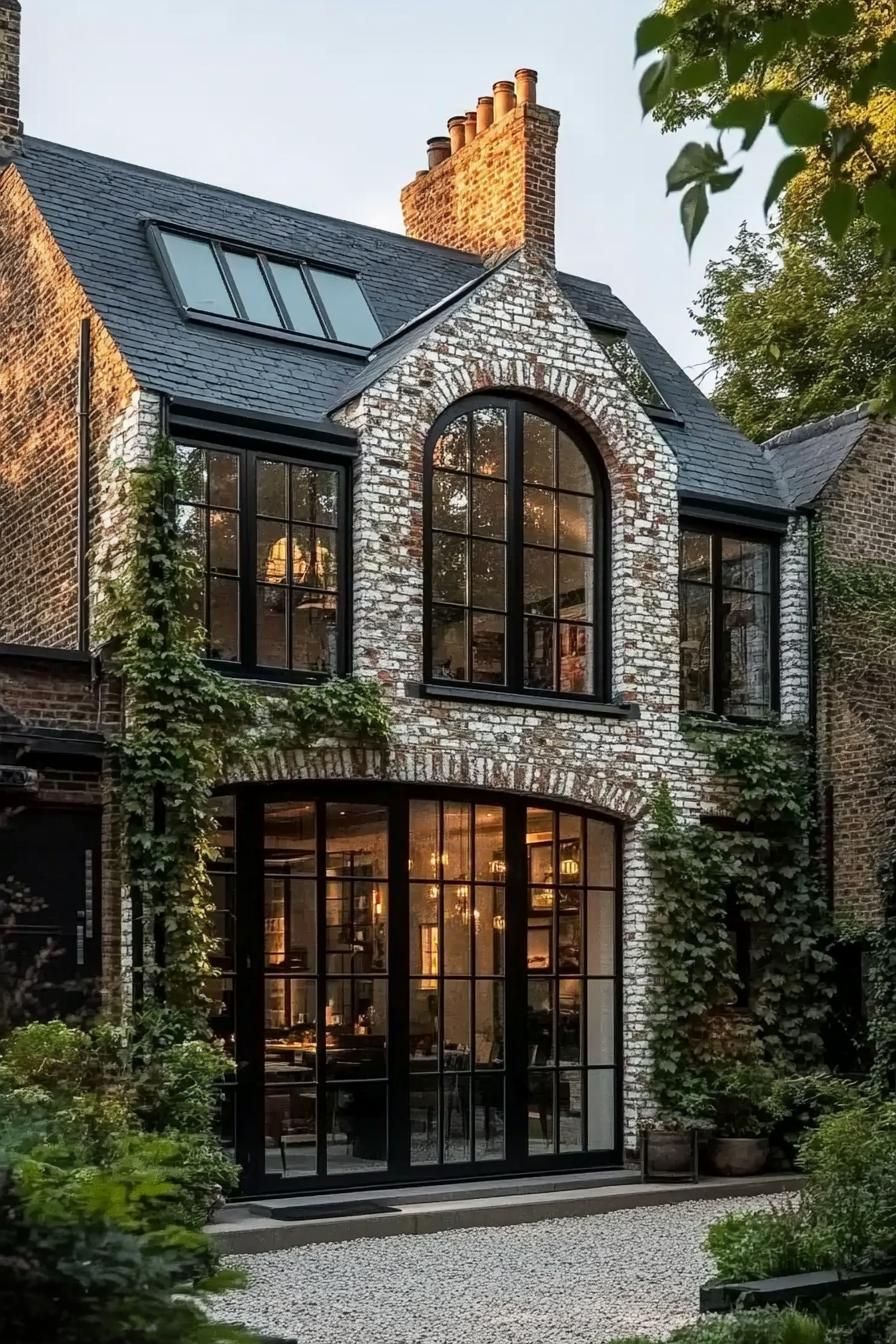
97, 209
806, 458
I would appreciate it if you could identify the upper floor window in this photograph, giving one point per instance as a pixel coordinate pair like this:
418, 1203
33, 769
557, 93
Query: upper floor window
516, 539
621, 355
254, 287
728, 623
268, 534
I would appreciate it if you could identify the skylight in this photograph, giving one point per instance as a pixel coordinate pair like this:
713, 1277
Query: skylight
221, 281
629, 367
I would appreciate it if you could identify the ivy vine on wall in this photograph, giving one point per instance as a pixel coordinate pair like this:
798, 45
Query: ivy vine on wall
185, 724
760, 862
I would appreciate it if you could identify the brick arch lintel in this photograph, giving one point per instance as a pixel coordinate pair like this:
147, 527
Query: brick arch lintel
621, 801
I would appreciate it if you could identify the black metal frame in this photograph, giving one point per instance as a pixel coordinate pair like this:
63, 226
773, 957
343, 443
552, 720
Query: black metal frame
247, 664
717, 531
249, 975
264, 257
515, 407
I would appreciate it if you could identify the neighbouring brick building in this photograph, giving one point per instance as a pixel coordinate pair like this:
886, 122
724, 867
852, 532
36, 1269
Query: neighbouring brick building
436, 461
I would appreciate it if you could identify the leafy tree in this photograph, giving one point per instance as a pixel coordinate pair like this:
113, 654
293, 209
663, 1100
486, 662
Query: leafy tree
798, 327
822, 72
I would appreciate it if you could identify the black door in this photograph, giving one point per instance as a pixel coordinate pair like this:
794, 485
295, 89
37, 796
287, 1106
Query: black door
416, 985
50, 878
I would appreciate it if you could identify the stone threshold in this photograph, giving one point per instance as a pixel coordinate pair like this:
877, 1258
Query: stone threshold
251, 1230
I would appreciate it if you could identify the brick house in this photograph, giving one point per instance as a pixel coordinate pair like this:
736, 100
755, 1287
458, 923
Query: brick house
437, 461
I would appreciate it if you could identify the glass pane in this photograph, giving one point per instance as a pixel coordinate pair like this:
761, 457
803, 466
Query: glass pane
694, 638
191, 527
271, 551
539, 654
315, 557
289, 838
222, 809
538, 516
423, 1025
223, 480
569, 1112
198, 274
569, 1022
223, 555
357, 835
296, 299
489, 665
601, 1021
224, 623
488, 507
425, 951
453, 447
573, 470
601, 853
193, 468
356, 927
540, 1111
488, 1117
221, 1020
449, 644
576, 658
449, 501
601, 1109
356, 1018
456, 840
490, 843
252, 289
538, 451
223, 921
356, 1128
489, 1035
576, 584
540, 1022
290, 1132
456, 1117
289, 923
538, 582
271, 627
314, 632
449, 568
423, 1113
539, 938
488, 441
694, 557
570, 835
456, 1025
746, 669
539, 839
290, 1025
270, 488
569, 937
457, 932
576, 523
601, 933
489, 930
347, 308
745, 564
315, 495
487, 575
424, 839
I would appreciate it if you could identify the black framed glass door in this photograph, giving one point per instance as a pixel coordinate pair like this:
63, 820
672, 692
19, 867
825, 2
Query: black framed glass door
415, 984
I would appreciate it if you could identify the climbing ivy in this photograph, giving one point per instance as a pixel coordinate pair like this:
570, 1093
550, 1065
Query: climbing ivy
185, 724
762, 861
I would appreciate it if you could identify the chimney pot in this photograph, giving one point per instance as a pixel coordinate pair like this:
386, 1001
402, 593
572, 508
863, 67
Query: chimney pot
469, 127
504, 99
484, 114
456, 133
438, 148
526, 80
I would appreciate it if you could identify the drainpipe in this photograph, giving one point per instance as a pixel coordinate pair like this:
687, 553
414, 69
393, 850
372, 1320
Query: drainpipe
83, 484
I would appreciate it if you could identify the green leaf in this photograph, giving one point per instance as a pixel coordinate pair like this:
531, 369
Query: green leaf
802, 123
833, 18
656, 82
747, 114
722, 181
880, 206
652, 32
886, 65
839, 206
694, 209
694, 161
845, 140
777, 33
789, 167
738, 59
697, 74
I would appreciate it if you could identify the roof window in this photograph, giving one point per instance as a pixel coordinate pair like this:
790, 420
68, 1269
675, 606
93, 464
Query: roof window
629, 367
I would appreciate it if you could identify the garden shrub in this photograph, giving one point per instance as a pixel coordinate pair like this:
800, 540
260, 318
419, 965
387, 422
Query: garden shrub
768, 1326
764, 1244
800, 1102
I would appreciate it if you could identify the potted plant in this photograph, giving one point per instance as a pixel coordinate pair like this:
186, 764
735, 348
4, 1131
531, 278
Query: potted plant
743, 1115
667, 1138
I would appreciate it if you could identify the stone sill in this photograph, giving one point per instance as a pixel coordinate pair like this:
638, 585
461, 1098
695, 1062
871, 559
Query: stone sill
558, 704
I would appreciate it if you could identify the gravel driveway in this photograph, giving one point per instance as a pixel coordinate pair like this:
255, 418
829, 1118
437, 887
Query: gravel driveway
557, 1282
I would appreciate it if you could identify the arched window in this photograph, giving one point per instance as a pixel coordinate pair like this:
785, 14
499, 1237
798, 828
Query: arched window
516, 541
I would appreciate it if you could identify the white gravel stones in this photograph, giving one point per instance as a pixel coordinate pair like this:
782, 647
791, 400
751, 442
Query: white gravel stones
564, 1281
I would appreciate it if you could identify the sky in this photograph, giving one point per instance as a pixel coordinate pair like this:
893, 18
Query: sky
327, 105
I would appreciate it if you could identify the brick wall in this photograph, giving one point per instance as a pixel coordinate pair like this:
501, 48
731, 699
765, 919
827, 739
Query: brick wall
857, 684
497, 192
41, 307
10, 43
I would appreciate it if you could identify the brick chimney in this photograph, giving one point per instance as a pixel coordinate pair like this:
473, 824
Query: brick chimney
10, 44
494, 188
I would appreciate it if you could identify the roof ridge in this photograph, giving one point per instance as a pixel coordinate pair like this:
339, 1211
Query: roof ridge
813, 428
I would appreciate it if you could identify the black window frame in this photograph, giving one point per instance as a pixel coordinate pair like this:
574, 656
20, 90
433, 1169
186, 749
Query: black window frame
247, 665
516, 406
264, 256
717, 532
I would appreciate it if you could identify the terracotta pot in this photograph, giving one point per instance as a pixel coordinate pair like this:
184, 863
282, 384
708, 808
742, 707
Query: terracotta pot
668, 1153
738, 1157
